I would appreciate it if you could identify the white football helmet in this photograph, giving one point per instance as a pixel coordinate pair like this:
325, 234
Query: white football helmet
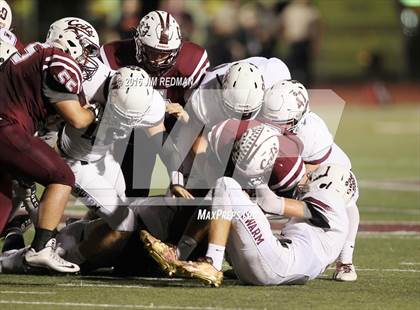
243, 90
130, 96
6, 50
158, 40
256, 151
286, 103
5, 15
334, 178
79, 39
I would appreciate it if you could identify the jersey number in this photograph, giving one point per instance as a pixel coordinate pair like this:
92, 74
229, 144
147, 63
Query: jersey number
3, 14
29, 51
65, 79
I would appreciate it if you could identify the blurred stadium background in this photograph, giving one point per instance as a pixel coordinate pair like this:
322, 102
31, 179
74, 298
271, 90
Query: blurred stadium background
350, 40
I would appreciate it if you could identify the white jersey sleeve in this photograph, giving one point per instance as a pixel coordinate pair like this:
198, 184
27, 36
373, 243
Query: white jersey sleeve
272, 69
94, 88
316, 138
328, 242
156, 113
8, 36
338, 157
206, 102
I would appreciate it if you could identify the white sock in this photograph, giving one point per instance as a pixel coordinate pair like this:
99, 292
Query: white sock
216, 253
185, 247
346, 255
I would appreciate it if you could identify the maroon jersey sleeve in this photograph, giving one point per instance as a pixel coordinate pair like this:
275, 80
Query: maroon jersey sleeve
63, 75
289, 167
192, 62
119, 54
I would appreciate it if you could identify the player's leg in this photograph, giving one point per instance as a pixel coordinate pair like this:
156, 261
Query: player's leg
256, 255
345, 270
22, 195
5, 199
96, 188
28, 157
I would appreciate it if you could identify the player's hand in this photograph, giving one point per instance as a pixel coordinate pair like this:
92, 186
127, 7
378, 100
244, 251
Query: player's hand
178, 111
180, 191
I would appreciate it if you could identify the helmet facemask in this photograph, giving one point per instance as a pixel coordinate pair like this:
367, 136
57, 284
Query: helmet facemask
158, 41
154, 59
86, 61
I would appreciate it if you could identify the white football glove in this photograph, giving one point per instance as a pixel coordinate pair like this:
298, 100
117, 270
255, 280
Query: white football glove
268, 201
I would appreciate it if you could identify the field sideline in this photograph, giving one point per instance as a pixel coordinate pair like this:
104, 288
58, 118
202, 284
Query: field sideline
385, 150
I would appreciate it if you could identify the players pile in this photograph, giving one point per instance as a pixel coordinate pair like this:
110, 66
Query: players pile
241, 147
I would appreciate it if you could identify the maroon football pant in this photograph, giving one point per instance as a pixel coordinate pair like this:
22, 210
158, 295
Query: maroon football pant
23, 156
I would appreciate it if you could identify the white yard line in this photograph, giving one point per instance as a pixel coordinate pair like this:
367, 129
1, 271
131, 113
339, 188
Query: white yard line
396, 128
389, 210
382, 270
28, 292
117, 306
389, 235
410, 263
81, 284
394, 185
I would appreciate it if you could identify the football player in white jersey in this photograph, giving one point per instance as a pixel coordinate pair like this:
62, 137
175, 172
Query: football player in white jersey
132, 103
208, 101
292, 113
6, 35
310, 241
238, 94
6, 50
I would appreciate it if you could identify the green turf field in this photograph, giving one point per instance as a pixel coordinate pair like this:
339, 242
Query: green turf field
385, 150
389, 272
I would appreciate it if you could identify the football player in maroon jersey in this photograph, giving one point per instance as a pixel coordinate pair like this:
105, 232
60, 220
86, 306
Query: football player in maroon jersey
175, 66
45, 79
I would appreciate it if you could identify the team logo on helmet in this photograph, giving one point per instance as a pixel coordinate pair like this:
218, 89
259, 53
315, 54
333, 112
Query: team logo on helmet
117, 81
78, 28
144, 28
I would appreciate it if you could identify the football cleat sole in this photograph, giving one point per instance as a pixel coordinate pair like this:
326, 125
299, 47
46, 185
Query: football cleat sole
155, 249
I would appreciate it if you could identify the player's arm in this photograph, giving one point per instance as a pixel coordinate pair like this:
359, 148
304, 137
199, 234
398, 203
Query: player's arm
171, 157
74, 114
272, 204
62, 87
178, 111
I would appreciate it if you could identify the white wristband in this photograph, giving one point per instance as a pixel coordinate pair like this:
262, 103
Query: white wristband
177, 178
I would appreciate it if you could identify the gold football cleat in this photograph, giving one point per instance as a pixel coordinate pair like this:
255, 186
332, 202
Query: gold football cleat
203, 271
162, 253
